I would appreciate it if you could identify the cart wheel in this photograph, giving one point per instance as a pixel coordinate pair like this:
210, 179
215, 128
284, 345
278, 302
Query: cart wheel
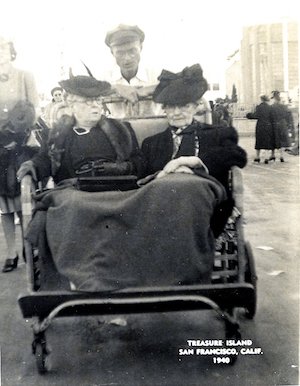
250, 277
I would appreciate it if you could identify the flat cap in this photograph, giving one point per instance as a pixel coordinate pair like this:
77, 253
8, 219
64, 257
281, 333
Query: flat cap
124, 34
85, 86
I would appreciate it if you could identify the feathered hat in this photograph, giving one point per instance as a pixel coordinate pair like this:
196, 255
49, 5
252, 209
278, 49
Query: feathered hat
86, 86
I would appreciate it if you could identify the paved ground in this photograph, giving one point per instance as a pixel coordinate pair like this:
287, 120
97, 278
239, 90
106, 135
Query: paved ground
85, 353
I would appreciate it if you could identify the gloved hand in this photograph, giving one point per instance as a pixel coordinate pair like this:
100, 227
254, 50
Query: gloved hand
114, 168
27, 167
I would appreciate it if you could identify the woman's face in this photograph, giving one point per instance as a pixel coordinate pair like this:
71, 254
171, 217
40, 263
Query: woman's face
58, 96
5, 54
87, 111
180, 116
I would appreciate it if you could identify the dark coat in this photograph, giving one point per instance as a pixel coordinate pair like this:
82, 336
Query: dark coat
264, 135
109, 140
280, 118
218, 150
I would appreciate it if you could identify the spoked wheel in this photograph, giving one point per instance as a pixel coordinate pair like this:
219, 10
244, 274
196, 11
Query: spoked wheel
250, 277
41, 353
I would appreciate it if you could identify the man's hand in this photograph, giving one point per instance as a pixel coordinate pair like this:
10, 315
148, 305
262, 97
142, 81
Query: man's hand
145, 91
127, 92
26, 168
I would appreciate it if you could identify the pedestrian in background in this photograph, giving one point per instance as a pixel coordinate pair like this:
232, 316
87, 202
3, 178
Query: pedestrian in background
18, 100
57, 97
280, 118
264, 137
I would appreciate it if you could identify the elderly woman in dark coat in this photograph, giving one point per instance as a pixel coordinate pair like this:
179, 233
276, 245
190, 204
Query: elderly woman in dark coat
264, 135
86, 143
186, 145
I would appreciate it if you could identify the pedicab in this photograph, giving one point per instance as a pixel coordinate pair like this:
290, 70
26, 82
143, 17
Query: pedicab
232, 285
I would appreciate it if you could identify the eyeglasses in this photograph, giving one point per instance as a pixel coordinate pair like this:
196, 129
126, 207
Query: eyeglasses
89, 101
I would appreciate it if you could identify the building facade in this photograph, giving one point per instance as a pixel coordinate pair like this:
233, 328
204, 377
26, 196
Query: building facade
268, 60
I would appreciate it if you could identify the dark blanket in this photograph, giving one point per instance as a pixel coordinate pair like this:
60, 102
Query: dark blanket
157, 235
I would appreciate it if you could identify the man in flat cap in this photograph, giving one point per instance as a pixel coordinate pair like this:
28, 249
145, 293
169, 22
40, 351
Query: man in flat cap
130, 80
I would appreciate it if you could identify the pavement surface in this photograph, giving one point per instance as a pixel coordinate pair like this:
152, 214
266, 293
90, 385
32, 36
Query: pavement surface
87, 352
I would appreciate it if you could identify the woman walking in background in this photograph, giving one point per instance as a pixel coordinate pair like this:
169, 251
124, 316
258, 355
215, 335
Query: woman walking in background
264, 136
18, 99
280, 117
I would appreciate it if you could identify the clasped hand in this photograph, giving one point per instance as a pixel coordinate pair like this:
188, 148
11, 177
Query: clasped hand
180, 165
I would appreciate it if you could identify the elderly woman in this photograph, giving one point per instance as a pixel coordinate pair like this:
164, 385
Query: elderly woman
188, 145
83, 142
18, 100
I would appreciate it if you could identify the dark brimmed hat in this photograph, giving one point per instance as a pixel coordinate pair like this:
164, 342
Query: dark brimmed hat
124, 34
276, 95
86, 86
265, 98
181, 88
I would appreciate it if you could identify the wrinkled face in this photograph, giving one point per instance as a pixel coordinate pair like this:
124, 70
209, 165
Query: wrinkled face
128, 56
180, 116
87, 111
5, 54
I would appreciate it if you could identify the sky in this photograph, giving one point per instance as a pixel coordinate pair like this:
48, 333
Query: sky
51, 34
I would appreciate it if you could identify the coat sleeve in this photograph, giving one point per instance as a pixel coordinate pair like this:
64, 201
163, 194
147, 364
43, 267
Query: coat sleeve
225, 153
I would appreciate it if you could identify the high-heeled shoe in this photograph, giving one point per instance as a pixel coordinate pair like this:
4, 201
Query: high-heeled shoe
281, 159
272, 158
10, 264
257, 160
266, 161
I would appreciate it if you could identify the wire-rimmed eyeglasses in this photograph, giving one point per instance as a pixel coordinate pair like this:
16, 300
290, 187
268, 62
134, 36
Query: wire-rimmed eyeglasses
90, 101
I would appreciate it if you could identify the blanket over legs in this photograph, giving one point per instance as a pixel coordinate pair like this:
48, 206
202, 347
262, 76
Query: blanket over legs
157, 235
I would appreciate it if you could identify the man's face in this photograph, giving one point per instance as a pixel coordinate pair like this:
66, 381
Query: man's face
180, 116
128, 56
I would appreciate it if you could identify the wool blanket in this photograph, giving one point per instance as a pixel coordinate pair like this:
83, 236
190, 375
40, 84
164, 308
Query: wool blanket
157, 235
